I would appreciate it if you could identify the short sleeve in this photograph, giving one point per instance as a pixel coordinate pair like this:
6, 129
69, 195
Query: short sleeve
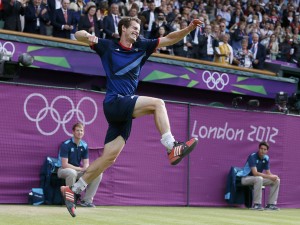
63, 151
251, 161
102, 46
85, 154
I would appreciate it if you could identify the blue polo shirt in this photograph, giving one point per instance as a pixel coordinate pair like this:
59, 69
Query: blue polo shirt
255, 161
123, 65
74, 153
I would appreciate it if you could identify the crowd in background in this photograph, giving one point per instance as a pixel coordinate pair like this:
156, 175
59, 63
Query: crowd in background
238, 32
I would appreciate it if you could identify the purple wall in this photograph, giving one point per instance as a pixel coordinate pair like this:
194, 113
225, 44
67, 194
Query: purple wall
142, 174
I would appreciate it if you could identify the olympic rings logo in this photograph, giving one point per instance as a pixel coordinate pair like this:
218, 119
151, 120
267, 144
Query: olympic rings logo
215, 80
55, 115
5, 50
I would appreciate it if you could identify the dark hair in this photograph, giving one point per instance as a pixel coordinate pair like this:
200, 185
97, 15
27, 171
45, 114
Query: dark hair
126, 21
90, 7
265, 144
77, 125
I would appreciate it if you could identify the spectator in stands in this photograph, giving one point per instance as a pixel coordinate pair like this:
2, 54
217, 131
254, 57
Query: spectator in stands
161, 6
239, 33
63, 21
259, 11
266, 33
259, 52
81, 5
195, 34
150, 16
168, 50
36, 18
128, 6
243, 57
295, 53
74, 160
288, 18
133, 11
273, 47
120, 3
223, 28
207, 43
183, 47
160, 22
296, 35
77, 14
295, 24
194, 14
224, 52
252, 28
250, 14
90, 23
186, 10
224, 13
175, 24
205, 17
11, 14
101, 13
285, 48
170, 14
216, 32
280, 34
254, 174
236, 17
274, 15
52, 6
110, 23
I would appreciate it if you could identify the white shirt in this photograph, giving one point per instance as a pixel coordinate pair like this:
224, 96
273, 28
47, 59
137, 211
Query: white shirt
57, 4
210, 50
116, 21
196, 35
151, 20
254, 49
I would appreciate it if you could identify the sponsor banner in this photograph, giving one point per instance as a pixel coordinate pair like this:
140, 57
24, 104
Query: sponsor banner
89, 63
227, 137
35, 120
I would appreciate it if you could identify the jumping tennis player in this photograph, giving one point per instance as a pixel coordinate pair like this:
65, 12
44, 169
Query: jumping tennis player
122, 61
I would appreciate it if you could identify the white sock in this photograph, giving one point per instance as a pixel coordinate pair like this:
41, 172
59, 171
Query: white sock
168, 140
79, 186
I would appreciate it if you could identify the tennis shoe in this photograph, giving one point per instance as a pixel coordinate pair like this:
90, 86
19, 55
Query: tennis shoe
70, 199
181, 149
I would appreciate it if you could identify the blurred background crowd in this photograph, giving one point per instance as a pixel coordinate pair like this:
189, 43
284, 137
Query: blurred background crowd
239, 32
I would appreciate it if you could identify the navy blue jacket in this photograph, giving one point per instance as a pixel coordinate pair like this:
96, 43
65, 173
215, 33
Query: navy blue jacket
235, 192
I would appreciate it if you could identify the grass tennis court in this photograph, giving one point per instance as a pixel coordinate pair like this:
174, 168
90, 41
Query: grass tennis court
144, 215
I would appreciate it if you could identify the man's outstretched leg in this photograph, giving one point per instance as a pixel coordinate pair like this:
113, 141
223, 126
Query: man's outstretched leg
110, 154
176, 150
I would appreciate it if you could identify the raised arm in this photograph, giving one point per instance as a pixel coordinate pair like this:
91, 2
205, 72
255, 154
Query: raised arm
176, 36
85, 37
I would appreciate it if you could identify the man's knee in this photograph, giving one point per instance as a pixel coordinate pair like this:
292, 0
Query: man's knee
277, 182
258, 179
159, 103
69, 173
